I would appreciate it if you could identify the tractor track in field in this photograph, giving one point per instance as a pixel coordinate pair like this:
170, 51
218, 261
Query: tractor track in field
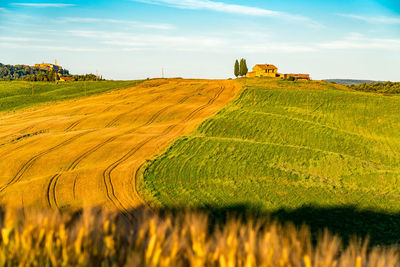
76, 123
21, 131
117, 118
150, 121
51, 190
73, 125
133, 181
110, 191
54, 179
74, 187
32, 160
112, 122
24, 130
210, 102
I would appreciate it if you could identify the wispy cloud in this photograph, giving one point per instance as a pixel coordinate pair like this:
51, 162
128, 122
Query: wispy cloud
372, 19
43, 5
127, 41
358, 41
2, 9
117, 21
215, 6
277, 47
22, 39
135, 42
230, 8
51, 47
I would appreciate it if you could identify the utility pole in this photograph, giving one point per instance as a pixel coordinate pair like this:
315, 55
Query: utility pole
162, 70
97, 75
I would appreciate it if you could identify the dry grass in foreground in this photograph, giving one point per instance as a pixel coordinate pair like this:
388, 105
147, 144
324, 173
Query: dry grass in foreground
98, 238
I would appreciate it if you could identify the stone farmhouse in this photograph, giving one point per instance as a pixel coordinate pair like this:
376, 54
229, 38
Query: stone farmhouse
269, 70
264, 70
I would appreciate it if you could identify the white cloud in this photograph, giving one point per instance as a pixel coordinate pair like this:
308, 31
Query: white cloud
358, 41
277, 47
117, 21
230, 8
129, 41
52, 47
215, 6
43, 5
134, 42
21, 39
2, 9
371, 19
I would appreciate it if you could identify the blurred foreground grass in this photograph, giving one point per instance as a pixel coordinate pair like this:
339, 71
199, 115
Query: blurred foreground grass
94, 237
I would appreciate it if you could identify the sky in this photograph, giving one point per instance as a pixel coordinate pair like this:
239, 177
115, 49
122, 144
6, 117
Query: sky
134, 39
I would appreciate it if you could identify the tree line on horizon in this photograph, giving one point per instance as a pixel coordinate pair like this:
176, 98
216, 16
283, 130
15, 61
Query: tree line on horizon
240, 69
28, 73
378, 87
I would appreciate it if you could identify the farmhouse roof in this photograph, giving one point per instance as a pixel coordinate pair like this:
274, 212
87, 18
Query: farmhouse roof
266, 66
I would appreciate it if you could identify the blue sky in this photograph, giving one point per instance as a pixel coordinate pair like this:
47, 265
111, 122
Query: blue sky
130, 39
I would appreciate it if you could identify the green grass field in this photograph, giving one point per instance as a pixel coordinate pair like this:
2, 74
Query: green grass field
286, 145
18, 94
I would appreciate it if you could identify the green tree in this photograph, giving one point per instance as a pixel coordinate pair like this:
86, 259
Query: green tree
243, 67
237, 70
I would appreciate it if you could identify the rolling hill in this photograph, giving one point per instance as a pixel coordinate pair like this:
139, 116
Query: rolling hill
85, 151
285, 146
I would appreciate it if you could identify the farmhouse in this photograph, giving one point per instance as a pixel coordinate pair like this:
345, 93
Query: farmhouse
269, 70
264, 70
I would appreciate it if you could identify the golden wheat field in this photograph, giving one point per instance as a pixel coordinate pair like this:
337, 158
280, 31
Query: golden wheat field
87, 151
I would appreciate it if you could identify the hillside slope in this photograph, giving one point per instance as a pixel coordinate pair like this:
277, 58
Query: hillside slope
286, 145
86, 151
19, 94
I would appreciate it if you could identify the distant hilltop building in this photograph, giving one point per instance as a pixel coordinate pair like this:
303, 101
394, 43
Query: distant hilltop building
269, 70
57, 68
66, 79
48, 66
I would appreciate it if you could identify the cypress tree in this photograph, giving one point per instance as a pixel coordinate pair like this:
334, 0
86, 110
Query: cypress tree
236, 70
245, 69
241, 67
